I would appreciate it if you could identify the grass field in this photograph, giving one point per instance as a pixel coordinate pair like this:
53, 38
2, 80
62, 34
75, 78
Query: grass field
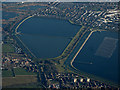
22, 77
18, 71
33, 85
6, 48
6, 73
18, 80
22, 71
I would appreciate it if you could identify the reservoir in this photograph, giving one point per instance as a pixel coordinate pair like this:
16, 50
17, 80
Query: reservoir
45, 37
99, 56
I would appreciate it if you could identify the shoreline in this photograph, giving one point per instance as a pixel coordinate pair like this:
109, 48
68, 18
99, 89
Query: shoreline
83, 46
80, 49
28, 17
16, 32
21, 23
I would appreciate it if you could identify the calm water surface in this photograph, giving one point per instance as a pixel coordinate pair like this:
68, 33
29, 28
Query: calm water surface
103, 67
46, 37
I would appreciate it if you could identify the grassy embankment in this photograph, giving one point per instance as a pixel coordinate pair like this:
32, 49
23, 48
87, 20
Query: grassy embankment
71, 21
61, 67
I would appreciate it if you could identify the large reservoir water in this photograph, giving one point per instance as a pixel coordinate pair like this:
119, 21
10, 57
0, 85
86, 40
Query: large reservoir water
45, 37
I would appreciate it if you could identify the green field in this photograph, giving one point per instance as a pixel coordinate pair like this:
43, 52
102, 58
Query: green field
18, 80
22, 77
22, 71
18, 71
7, 48
6, 73
31, 85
